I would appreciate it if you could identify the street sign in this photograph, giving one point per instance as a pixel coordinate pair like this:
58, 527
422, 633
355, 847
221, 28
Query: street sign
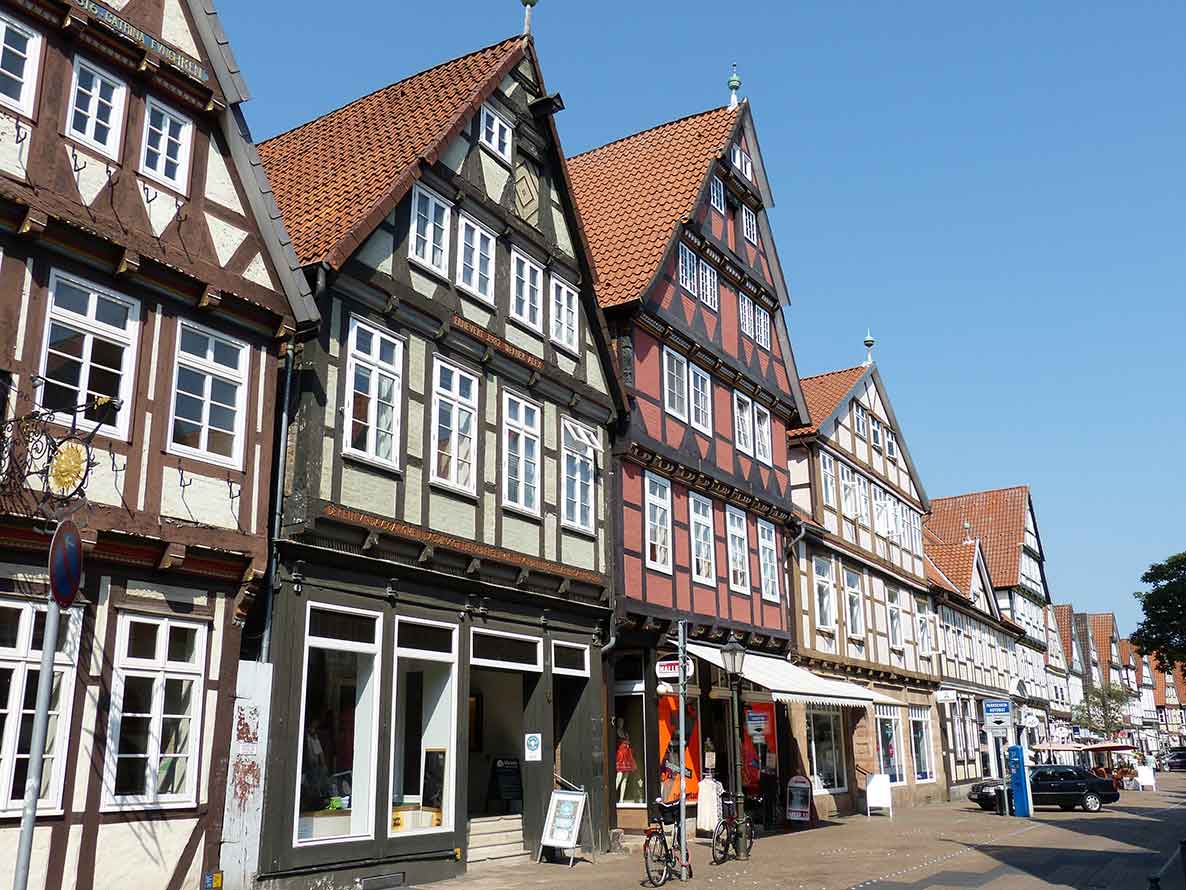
995, 707
945, 696
65, 563
668, 668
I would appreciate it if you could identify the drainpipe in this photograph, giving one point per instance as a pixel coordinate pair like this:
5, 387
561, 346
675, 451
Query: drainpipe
277, 506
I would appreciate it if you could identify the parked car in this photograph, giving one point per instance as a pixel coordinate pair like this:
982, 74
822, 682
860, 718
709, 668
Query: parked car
1066, 787
1173, 760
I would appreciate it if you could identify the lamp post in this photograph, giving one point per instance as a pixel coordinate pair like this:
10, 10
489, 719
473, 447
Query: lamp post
733, 657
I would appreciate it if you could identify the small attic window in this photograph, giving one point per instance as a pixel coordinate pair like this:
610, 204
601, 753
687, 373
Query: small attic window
741, 160
495, 133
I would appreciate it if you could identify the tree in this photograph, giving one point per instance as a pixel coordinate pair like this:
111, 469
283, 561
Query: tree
1162, 633
1103, 710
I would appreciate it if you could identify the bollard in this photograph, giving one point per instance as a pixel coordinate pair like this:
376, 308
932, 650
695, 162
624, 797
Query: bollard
1001, 795
1154, 883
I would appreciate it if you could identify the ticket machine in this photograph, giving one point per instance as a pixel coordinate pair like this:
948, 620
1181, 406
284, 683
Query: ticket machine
1019, 782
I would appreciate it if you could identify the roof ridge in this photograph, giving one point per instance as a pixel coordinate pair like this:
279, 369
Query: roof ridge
388, 86
968, 494
620, 139
833, 373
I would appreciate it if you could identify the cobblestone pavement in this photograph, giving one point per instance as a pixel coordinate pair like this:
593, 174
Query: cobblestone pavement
938, 847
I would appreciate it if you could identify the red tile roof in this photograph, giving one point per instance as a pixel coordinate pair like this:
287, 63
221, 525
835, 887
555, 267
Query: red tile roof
1159, 680
1129, 651
823, 392
956, 561
631, 194
1064, 616
1103, 626
336, 177
997, 518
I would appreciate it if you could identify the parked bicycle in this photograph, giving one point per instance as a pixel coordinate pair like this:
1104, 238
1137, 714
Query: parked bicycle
731, 832
661, 856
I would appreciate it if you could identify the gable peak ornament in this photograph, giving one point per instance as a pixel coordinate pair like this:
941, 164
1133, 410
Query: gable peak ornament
734, 86
869, 344
527, 6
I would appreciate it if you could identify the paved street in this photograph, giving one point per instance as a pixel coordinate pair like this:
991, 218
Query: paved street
944, 846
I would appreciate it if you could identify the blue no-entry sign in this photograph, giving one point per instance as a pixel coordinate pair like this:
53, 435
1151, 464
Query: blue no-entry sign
65, 564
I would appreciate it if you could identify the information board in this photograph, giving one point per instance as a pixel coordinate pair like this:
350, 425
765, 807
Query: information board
799, 799
508, 781
562, 825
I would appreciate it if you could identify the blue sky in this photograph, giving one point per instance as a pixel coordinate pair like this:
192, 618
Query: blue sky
996, 191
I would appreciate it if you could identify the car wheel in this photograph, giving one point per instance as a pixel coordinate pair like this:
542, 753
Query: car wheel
985, 806
1091, 802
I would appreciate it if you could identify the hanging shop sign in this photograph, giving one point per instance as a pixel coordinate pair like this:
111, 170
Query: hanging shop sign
668, 668
799, 799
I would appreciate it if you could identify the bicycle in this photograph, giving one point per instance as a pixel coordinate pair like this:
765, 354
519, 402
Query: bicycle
661, 858
730, 831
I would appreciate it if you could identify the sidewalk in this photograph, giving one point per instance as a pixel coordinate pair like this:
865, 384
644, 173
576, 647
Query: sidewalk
956, 842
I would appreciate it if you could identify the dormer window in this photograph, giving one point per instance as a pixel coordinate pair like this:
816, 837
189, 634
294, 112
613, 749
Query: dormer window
495, 133
18, 65
97, 108
167, 139
716, 193
749, 224
742, 163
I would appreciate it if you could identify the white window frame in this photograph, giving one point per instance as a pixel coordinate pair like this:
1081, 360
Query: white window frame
836, 716
480, 234
498, 120
709, 285
475, 661
825, 592
763, 435
160, 669
374, 649
23, 660
745, 314
738, 551
768, 562
743, 423
875, 432
860, 419
749, 224
892, 713
566, 315
375, 364
827, 465
590, 440
531, 298
705, 522
118, 106
891, 444
212, 369
863, 499
91, 327
716, 193
527, 432
925, 643
689, 269
458, 404
570, 672
848, 491
675, 364
185, 151
922, 715
741, 160
697, 374
452, 658
853, 595
894, 610
420, 191
654, 502
31, 74
762, 327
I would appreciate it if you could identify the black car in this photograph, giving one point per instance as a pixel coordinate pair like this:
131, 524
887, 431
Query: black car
1062, 786
1174, 760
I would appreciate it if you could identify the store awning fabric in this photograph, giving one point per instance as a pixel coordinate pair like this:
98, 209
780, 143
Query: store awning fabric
790, 683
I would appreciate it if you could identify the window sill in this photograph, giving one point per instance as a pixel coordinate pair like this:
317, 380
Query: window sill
590, 533
372, 463
830, 630
489, 303
506, 162
41, 813
203, 457
525, 324
110, 154
654, 567
115, 807
172, 189
573, 352
828, 792
856, 638
441, 275
523, 512
451, 488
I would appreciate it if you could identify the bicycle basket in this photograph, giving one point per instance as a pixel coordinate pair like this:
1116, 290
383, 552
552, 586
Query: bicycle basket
668, 815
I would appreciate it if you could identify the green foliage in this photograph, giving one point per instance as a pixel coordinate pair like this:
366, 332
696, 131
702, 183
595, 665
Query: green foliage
1103, 710
1162, 633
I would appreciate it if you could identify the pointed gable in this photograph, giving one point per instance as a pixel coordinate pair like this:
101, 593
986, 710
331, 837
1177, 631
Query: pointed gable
337, 177
1064, 618
631, 194
824, 394
996, 517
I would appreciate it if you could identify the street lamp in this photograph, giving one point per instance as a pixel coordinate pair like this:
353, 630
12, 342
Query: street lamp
733, 657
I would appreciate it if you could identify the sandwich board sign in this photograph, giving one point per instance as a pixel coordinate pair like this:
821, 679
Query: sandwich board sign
799, 799
878, 794
562, 826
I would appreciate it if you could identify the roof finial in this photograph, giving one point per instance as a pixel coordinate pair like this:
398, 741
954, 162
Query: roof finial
967, 532
734, 86
527, 4
869, 342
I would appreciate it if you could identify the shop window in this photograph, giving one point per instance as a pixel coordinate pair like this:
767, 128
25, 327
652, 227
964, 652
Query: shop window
22, 631
825, 750
423, 749
339, 725
920, 739
156, 712
889, 743
498, 649
629, 733
570, 659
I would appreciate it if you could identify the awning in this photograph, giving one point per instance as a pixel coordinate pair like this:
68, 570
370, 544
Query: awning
791, 683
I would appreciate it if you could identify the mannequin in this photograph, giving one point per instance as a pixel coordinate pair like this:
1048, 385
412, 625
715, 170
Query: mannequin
623, 756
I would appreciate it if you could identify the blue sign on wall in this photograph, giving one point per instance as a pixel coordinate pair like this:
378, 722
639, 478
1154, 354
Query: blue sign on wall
997, 707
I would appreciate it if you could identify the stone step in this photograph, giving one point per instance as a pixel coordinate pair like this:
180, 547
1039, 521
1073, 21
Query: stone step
495, 824
506, 862
496, 852
495, 838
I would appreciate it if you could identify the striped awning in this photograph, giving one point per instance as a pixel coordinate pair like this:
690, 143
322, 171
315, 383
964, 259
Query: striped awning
790, 683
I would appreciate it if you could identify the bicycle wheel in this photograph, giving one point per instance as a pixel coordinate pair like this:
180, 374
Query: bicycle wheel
656, 859
720, 842
749, 835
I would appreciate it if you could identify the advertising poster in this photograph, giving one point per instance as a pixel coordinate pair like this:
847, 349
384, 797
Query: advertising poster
799, 799
669, 740
759, 743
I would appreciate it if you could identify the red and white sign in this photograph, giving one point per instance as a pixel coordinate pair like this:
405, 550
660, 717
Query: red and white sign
668, 668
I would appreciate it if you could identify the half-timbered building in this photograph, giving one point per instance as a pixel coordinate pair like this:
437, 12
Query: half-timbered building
148, 291
1072, 652
693, 291
1058, 683
863, 604
977, 651
447, 546
1004, 521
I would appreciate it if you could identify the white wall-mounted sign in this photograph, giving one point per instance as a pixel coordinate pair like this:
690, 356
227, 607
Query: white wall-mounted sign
668, 668
533, 746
